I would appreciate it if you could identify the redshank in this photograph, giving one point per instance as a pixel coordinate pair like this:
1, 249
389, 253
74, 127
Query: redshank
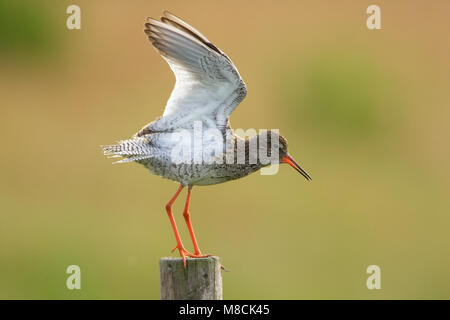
208, 88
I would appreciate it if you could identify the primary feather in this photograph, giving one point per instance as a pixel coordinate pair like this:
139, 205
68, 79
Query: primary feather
208, 86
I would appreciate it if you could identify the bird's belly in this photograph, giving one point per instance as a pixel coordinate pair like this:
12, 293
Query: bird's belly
185, 173
222, 173
200, 174
209, 180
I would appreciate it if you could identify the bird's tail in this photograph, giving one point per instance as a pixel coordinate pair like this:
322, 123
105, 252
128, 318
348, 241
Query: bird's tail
131, 150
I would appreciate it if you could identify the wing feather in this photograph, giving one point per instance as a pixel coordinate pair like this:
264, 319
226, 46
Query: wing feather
208, 86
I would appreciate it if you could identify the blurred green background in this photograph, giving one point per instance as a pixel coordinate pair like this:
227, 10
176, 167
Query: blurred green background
366, 113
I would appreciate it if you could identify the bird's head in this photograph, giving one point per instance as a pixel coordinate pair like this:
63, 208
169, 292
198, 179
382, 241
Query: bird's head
283, 154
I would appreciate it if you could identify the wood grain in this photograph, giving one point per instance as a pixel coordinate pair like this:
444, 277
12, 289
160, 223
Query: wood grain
200, 280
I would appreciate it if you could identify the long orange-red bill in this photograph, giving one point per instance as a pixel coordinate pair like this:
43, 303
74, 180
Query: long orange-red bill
288, 159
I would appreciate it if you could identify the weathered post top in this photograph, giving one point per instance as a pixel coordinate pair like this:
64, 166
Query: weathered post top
200, 280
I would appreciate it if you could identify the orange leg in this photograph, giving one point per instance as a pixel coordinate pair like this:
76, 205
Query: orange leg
179, 245
187, 218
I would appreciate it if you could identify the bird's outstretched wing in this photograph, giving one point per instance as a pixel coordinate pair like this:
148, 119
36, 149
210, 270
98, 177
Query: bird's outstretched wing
208, 86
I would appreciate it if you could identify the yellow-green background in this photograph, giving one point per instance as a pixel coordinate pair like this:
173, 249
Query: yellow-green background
366, 113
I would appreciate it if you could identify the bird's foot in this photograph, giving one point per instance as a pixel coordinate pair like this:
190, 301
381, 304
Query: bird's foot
184, 253
199, 255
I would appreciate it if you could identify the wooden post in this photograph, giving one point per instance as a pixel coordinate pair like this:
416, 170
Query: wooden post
200, 280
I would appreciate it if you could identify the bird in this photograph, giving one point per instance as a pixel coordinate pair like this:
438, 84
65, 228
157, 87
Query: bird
208, 88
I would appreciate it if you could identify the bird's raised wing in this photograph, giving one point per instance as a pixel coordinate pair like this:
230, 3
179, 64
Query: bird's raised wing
208, 86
